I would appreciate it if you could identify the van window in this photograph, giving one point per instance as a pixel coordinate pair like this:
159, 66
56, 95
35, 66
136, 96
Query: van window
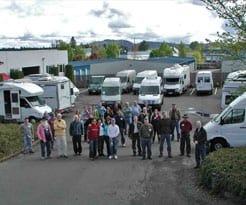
207, 79
199, 79
62, 86
235, 116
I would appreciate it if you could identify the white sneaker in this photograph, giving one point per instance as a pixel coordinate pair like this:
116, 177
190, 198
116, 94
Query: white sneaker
110, 157
115, 157
124, 145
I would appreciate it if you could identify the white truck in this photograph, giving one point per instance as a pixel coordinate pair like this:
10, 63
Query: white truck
127, 78
140, 76
59, 92
228, 129
20, 100
111, 91
204, 82
176, 79
151, 92
95, 84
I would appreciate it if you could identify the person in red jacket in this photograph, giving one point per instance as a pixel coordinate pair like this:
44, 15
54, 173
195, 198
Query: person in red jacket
185, 127
93, 134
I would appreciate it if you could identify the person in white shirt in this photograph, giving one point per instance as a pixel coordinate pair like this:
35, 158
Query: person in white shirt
113, 133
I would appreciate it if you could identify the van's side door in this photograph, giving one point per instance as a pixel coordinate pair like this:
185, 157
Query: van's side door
234, 127
15, 104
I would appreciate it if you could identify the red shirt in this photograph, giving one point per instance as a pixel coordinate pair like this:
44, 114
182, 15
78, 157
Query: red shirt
93, 131
185, 126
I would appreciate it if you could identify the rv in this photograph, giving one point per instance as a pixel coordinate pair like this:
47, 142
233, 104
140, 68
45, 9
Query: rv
111, 91
150, 92
176, 79
20, 100
95, 84
59, 92
140, 76
127, 78
236, 75
204, 82
229, 127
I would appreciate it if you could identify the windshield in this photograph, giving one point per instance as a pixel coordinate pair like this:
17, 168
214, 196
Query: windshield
149, 90
123, 79
217, 118
139, 79
171, 81
35, 101
110, 90
96, 80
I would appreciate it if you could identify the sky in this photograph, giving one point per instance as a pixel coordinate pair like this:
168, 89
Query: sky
39, 23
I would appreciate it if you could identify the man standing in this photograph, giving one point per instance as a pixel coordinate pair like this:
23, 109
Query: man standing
113, 133
61, 139
186, 127
146, 133
165, 128
28, 134
93, 134
133, 134
127, 112
76, 131
120, 121
200, 138
174, 115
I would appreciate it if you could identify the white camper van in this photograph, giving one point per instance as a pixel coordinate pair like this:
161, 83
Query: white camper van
176, 79
95, 84
111, 91
20, 100
140, 76
204, 82
151, 92
59, 92
228, 129
127, 78
236, 75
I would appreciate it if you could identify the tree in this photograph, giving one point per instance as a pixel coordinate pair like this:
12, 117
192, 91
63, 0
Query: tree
182, 50
78, 53
69, 72
164, 50
194, 45
16, 74
198, 56
73, 42
112, 50
54, 70
143, 46
233, 11
102, 53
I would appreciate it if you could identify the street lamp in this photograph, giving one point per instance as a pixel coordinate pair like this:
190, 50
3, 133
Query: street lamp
43, 64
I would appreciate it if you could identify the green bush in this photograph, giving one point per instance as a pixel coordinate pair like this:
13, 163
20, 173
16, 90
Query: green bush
16, 74
69, 72
225, 171
54, 70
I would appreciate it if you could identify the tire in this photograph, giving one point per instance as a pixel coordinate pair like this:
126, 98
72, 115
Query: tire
32, 119
218, 144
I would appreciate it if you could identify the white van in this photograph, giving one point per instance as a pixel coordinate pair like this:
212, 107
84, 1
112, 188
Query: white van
151, 92
127, 78
140, 76
228, 129
111, 91
21, 100
204, 82
236, 75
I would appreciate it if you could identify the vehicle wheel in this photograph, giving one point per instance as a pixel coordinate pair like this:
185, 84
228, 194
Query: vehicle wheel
32, 119
218, 144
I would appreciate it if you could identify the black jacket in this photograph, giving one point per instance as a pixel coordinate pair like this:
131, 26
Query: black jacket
131, 128
200, 136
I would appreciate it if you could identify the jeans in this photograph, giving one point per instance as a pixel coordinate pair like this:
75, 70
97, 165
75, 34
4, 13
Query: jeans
128, 121
113, 145
123, 140
77, 147
185, 140
101, 140
165, 136
27, 143
45, 146
136, 139
93, 146
61, 145
200, 152
175, 124
146, 142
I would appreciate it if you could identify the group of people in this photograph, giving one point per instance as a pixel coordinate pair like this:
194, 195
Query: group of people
108, 126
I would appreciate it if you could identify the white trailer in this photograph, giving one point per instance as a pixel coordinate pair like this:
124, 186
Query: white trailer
59, 92
140, 76
176, 79
127, 78
20, 100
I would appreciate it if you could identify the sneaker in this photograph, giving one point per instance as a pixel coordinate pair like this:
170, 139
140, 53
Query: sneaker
169, 156
150, 158
143, 158
42, 158
181, 155
31, 151
196, 167
115, 157
188, 155
134, 154
160, 155
124, 145
110, 157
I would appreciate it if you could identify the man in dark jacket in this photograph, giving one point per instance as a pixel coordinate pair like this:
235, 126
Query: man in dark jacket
120, 121
185, 127
200, 138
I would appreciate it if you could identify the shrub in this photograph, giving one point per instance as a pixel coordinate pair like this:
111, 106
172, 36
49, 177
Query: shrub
16, 74
225, 170
69, 72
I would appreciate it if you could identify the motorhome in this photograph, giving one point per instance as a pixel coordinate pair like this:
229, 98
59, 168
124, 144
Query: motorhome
95, 84
176, 79
20, 100
59, 92
229, 127
150, 92
204, 82
127, 78
236, 75
140, 76
111, 91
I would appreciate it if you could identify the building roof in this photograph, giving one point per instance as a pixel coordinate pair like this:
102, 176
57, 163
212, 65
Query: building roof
173, 59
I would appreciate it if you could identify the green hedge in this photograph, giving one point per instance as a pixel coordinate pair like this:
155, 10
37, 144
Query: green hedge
225, 171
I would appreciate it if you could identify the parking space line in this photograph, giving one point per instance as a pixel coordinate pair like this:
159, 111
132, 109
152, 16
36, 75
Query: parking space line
215, 91
192, 91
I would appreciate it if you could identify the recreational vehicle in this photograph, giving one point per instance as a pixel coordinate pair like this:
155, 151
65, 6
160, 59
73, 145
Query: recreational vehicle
20, 100
204, 82
176, 79
127, 78
95, 84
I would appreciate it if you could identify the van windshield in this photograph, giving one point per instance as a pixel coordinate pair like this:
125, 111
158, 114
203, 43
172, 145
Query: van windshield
149, 90
224, 112
35, 101
139, 79
96, 80
123, 79
110, 91
171, 81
